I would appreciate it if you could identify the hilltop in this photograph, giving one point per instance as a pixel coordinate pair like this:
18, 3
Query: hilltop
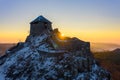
46, 55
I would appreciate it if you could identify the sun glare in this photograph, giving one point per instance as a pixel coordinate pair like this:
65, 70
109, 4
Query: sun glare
62, 35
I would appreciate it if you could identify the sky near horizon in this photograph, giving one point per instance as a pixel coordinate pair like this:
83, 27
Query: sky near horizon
89, 20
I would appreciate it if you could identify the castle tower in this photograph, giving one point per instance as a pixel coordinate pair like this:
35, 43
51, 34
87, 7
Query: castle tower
40, 24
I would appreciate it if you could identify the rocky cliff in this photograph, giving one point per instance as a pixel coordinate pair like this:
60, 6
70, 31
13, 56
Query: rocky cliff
47, 57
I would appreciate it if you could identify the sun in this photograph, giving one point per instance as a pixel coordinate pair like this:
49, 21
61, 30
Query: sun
62, 35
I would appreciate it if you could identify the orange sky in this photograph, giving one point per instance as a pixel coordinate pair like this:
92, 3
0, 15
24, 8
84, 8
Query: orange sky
93, 21
106, 36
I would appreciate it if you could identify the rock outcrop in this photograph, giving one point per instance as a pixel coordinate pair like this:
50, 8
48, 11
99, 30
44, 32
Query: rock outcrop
45, 56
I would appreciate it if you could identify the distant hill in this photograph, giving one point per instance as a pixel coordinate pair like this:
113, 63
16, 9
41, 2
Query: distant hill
110, 61
4, 47
116, 50
100, 47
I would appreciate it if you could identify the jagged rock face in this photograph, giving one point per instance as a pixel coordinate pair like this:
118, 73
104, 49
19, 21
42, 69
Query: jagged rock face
34, 61
41, 57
